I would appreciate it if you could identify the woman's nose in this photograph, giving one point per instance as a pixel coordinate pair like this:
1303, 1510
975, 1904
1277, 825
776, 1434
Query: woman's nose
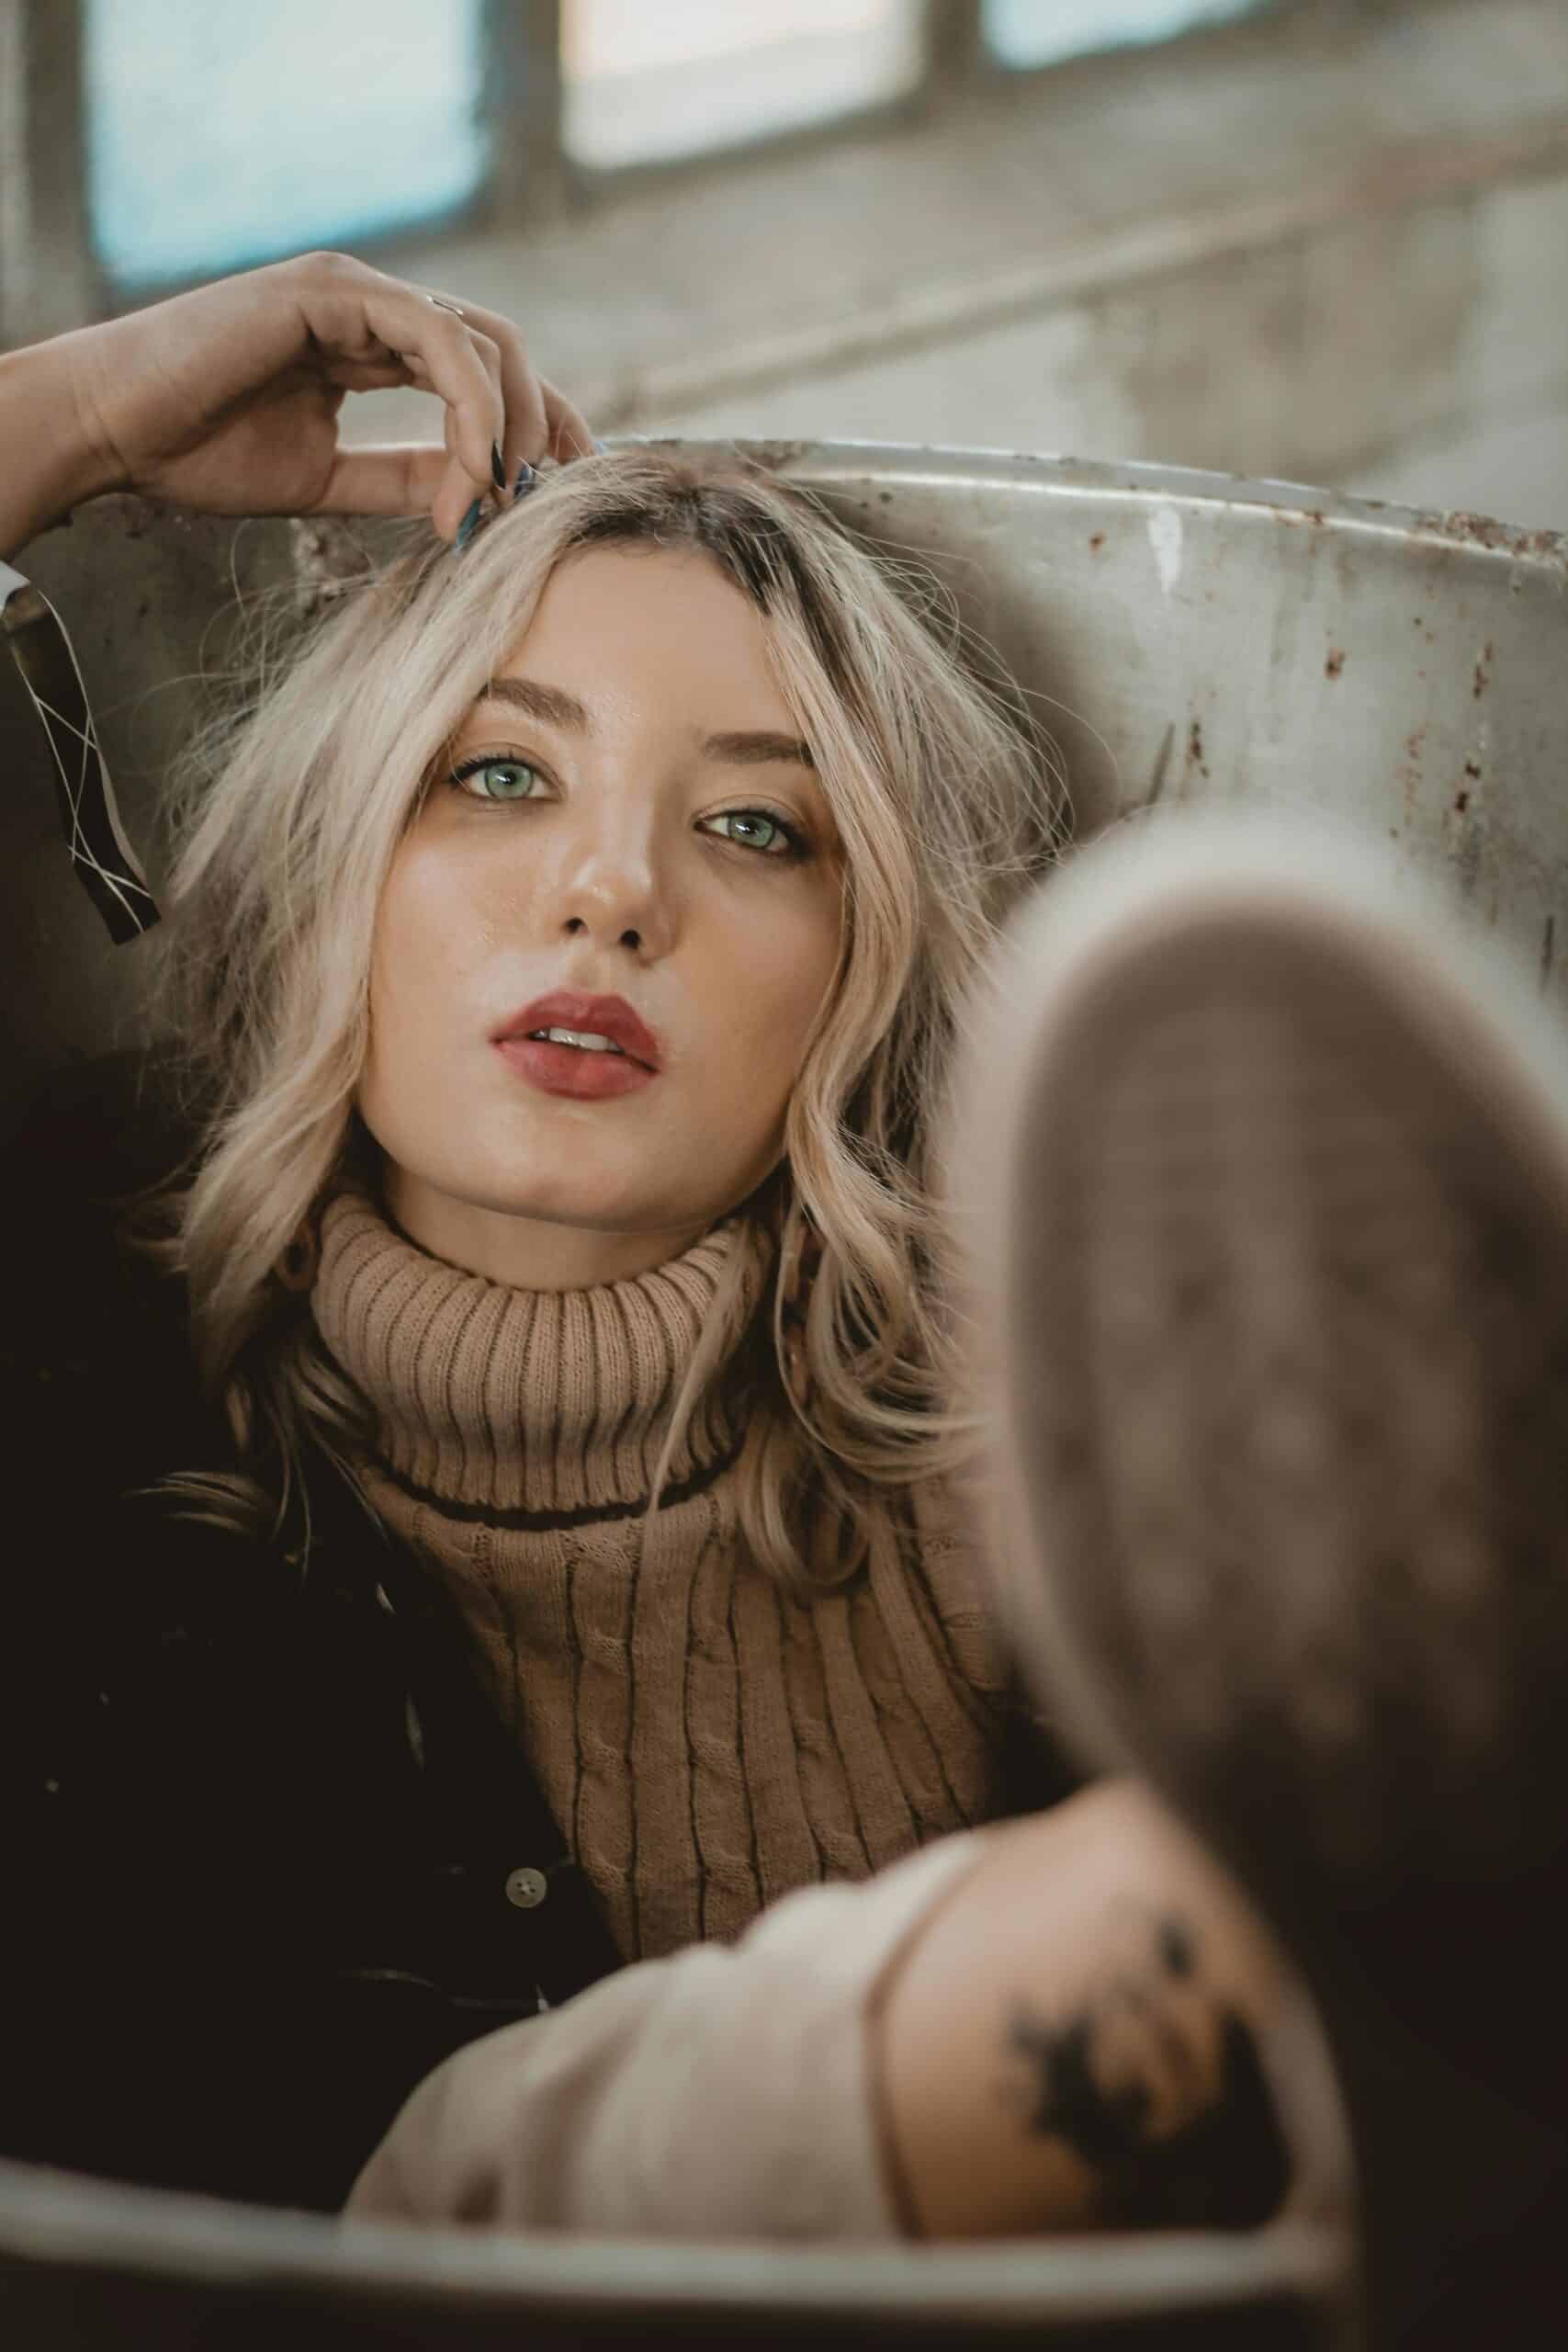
608, 889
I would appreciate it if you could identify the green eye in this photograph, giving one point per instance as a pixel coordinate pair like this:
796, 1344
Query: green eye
756, 828
497, 779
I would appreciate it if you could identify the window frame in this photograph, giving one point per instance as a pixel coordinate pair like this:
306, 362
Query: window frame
48, 279
51, 277
955, 62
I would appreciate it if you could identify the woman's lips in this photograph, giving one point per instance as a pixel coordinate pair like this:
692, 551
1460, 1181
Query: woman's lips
582, 1014
573, 1071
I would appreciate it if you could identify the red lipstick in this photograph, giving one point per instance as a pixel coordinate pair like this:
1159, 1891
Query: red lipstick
616, 1052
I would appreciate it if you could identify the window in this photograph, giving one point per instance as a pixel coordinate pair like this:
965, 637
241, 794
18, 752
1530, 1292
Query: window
1044, 32
219, 133
646, 85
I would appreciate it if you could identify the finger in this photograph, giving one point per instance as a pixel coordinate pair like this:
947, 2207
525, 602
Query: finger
350, 376
406, 322
456, 492
401, 478
455, 495
570, 433
527, 419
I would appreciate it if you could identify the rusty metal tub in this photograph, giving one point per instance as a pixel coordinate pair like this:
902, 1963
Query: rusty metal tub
1187, 637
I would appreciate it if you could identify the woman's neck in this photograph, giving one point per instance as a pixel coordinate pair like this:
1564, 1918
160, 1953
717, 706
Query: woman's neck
524, 1252
491, 1396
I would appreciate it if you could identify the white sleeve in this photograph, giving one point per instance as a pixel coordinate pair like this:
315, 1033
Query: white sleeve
721, 2093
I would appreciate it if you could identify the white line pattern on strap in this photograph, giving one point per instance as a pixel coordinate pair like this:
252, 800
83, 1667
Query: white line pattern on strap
119, 883
119, 890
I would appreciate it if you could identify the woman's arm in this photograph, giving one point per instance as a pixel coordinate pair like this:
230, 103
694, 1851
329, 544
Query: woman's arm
1053, 2025
227, 398
1078, 2036
47, 469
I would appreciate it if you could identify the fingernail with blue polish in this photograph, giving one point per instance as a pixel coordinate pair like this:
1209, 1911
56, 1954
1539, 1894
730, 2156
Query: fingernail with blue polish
526, 480
497, 465
468, 526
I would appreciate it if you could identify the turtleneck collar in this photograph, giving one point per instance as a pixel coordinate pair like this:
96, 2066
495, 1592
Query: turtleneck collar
531, 1408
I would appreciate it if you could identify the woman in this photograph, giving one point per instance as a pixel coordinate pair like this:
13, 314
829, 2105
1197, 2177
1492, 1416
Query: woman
564, 958
274, 1855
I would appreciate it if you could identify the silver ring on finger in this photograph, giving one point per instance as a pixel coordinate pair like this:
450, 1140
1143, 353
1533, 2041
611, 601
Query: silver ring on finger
442, 303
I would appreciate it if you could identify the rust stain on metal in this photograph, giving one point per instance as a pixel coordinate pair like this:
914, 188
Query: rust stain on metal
1480, 531
1195, 750
1410, 771
1483, 677
1461, 802
775, 456
1096, 541
1468, 846
1335, 664
1548, 948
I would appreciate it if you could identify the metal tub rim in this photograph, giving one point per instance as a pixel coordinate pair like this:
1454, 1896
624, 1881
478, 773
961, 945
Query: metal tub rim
836, 464
66, 2220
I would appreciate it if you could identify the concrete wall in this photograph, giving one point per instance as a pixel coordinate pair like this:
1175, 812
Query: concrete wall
1412, 356
1330, 245
1332, 249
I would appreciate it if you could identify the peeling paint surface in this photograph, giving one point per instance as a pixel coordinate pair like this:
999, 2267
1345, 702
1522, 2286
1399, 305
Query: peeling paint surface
1166, 539
1166, 542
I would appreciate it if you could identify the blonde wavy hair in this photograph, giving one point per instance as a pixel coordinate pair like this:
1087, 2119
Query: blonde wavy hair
287, 818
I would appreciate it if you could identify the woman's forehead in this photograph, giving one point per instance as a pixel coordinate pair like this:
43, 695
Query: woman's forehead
655, 628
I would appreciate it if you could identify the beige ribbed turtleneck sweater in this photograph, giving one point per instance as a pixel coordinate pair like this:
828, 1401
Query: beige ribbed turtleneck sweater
706, 1740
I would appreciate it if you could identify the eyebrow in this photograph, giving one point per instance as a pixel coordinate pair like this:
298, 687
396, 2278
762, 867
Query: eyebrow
547, 704
753, 747
744, 747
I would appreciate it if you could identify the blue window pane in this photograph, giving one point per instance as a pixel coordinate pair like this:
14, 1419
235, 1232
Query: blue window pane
221, 133
1041, 32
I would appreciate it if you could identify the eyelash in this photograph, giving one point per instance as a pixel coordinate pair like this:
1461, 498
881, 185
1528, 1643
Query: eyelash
796, 846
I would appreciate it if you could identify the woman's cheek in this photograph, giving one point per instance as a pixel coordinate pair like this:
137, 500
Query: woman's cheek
767, 1020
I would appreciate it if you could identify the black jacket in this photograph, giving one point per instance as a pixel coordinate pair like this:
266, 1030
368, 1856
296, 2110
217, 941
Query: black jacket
260, 1829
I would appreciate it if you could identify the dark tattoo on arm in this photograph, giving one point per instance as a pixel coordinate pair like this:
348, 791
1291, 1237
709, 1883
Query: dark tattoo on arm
1155, 2084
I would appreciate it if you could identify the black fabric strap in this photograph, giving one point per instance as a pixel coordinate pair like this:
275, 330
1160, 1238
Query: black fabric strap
106, 863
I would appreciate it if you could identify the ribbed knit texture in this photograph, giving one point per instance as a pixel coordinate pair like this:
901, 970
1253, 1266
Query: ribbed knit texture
706, 1740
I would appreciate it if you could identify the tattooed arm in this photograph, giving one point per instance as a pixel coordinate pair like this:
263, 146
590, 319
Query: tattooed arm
1071, 2039
1052, 2024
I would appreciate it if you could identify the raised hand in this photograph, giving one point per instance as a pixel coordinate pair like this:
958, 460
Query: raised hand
227, 398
